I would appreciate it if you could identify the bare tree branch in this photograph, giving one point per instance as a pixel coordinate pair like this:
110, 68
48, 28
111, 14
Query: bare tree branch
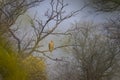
55, 14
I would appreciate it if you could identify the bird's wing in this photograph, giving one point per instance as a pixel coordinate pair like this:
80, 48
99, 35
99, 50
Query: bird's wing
52, 45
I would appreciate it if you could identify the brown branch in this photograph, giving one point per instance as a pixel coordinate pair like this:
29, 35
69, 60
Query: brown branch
58, 33
55, 14
53, 59
56, 48
17, 39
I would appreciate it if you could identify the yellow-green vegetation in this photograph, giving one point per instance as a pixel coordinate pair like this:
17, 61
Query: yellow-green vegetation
13, 67
10, 67
35, 67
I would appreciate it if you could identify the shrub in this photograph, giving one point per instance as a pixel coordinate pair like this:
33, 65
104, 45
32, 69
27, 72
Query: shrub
35, 67
10, 67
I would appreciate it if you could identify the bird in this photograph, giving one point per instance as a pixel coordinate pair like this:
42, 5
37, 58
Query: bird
51, 46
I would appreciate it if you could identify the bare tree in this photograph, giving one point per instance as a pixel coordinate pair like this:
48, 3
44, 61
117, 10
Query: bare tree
112, 28
65, 70
97, 56
56, 14
104, 5
10, 10
113, 18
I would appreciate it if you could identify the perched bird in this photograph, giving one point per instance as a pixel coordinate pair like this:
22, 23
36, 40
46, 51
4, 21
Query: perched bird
51, 46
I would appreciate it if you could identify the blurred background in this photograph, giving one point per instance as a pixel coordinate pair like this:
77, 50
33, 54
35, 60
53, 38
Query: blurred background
59, 39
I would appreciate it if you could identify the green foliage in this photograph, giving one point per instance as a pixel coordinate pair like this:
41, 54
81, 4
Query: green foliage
10, 67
